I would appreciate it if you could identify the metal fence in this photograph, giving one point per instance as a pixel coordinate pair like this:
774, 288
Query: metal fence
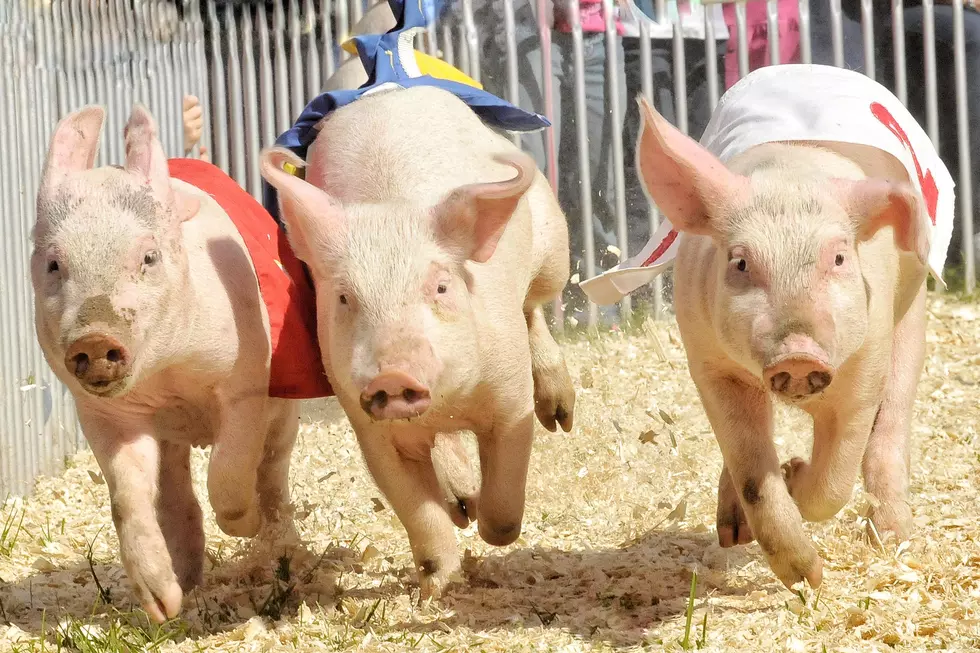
256, 63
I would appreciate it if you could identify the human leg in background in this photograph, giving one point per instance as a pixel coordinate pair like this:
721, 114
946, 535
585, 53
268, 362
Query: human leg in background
599, 127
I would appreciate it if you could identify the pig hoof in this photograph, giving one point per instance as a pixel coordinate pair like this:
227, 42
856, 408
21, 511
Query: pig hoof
462, 511
240, 523
436, 577
554, 396
501, 534
894, 517
733, 527
791, 568
160, 598
793, 472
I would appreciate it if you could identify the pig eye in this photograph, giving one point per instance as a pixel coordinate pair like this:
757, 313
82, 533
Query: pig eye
343, 300
442, 289
53, 267
741, 265
151, 257
839, 260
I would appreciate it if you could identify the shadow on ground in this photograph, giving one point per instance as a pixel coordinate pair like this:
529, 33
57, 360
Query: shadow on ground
598, 595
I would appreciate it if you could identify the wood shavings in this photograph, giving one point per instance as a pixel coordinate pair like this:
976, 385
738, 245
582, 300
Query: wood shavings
617, 516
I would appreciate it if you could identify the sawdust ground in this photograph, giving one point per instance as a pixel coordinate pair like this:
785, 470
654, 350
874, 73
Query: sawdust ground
619, 514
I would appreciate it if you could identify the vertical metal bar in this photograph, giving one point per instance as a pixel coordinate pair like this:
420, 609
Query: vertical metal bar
929, 45
582, 139
201, 64
743, 39
510, 34
837, 32
251, 106
963, 136
868, 35
710, 56
471, 40
9, 193
806, 47
898, 39
268, 102
772, 18
547, 82
153, 69
235, 108
312, 53
448, 55
646, 77
356, 11
619, 180
172, 104
341, 30
60, 57
327, 65
281, 75
218, 87
295, 68
680, 77
100, 40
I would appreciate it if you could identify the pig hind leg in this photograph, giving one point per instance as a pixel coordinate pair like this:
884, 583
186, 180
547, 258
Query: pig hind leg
554, 394
179, 515
273, 473
455, 477
413, 490
886, 463
733, 526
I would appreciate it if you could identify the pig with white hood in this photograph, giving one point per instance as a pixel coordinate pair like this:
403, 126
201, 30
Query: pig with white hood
801, 230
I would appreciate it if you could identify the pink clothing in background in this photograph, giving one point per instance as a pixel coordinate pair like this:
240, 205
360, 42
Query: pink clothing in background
757, 29
590, 15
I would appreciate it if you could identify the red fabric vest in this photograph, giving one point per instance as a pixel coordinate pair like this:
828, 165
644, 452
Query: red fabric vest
296, 370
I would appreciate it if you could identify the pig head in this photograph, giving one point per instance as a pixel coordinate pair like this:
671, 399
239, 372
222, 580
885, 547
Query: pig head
97, 316
785, 277
395, 308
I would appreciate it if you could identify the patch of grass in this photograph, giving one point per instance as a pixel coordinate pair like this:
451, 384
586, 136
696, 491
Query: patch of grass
9, 532
121, 633
699, 642
282, 591
105, 594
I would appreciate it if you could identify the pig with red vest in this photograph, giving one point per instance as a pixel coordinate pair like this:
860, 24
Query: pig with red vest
802, 229
168, 301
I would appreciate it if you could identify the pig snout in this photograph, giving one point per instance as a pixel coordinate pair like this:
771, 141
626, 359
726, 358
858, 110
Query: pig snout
394, 394
798, 377
98, 361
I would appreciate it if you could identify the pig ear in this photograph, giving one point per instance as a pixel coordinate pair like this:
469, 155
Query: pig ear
688, 183
874, 203
145, 158
74, 143
473, 217
309, 213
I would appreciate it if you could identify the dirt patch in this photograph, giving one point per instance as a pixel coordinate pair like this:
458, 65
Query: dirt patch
619, 515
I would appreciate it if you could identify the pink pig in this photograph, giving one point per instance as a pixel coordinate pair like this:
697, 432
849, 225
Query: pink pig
433, 243
800, 276
147, 307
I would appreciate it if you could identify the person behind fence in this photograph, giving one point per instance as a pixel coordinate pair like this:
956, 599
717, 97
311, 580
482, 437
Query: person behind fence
914, 16
691, 17
757, 37
489, 16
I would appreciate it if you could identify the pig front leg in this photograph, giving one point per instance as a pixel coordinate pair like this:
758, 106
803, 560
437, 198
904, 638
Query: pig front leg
822, 486
886, 459
130, 461
741, 417
238, 448
410, 485
504, 456
179, 515
554, 394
